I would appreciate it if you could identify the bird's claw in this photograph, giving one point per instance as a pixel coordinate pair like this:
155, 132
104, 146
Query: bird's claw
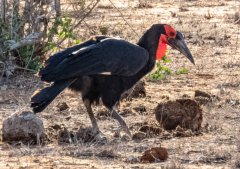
122, 123
100, 138
127, 131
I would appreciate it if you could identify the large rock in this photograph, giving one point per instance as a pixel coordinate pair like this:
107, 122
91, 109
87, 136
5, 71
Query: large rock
25, 127
185, 113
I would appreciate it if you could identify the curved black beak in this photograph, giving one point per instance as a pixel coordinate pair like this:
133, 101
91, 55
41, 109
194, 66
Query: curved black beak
179, 44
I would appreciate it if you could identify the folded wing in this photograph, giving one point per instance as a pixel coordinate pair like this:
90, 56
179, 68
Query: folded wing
104, 55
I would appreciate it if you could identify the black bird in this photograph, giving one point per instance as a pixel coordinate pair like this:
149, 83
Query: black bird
104, 67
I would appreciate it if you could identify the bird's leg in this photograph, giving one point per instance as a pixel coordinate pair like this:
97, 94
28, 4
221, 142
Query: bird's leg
123, 124
91, 115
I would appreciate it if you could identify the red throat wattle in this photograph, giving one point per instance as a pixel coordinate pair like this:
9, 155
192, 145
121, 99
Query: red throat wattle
162, 43
162, 47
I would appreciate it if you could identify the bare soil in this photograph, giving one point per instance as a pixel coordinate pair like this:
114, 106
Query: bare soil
212, 34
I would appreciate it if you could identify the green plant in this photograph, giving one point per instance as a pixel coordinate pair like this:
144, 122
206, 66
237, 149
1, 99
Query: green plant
61, 30
103, 30
26, 37
182, 71
161, 71
26, 58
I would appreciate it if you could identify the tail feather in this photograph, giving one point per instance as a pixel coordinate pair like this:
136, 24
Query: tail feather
41, 99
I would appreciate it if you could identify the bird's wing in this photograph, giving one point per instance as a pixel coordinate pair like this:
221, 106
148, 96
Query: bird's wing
60, 56
113, 56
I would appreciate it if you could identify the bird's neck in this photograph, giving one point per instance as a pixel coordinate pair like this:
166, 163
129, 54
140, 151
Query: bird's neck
150, 43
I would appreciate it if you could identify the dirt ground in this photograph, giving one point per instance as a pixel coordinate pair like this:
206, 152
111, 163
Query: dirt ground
212, 34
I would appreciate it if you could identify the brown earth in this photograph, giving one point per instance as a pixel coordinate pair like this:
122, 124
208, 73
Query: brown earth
212, 35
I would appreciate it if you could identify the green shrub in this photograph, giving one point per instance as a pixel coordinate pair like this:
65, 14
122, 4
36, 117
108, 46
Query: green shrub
161, 71
61, 30
182, 71
26, 55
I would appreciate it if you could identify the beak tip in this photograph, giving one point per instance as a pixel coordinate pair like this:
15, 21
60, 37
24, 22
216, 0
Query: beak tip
181, 46
190, 58
193, 62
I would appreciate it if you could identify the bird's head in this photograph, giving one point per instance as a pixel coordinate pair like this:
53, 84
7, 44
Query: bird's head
169, 36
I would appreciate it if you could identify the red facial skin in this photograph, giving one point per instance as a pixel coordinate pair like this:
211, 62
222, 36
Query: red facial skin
163, 41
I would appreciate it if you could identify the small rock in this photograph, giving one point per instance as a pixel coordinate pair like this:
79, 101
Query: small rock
68, 118
132, 159
144, 4
56, 127
139, 136
185, 96
204, 98
165, 97
151, 130
199, 93
180, 132
116, 134
25, 127
154, 155
106, 153
126, 112
62, 106
125, 138
140, 109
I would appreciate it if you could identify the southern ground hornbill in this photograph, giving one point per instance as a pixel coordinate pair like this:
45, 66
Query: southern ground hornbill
104, 67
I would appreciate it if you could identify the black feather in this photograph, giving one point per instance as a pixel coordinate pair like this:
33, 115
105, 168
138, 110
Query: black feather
116, 56
42, 99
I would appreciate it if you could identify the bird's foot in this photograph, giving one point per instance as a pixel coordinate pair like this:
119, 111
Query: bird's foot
127, 131
98, 136
95, 130
122, 123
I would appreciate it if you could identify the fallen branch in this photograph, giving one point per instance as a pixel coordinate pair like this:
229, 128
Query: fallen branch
22, 68
29, 40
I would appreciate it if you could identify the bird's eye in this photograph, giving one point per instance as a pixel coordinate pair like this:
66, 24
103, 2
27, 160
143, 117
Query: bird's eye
171, 34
